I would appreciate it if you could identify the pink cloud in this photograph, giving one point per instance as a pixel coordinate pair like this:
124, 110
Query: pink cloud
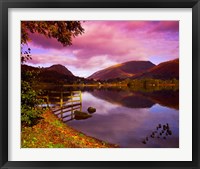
40, 41
167, 26
108, 42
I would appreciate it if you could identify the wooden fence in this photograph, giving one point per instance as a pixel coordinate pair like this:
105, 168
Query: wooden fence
63, 104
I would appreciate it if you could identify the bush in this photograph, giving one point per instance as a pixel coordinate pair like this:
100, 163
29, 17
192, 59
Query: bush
30, 111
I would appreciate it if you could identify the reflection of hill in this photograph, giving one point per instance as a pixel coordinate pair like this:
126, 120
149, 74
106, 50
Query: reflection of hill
167, 98
124, 98
137, 102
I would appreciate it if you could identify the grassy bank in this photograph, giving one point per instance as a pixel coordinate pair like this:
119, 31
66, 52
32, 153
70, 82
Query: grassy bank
50, 132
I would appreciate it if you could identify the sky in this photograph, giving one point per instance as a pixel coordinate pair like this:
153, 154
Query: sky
106, 43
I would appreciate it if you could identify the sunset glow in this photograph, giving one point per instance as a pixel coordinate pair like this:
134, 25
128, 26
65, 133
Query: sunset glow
106, 43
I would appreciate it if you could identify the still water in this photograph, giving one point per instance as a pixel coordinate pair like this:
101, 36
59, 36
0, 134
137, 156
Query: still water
132, 119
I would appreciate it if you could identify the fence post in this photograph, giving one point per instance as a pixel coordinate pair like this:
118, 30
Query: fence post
61, 104
48, 101
80, 95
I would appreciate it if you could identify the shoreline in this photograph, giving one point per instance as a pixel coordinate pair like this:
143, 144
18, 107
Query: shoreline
51, 132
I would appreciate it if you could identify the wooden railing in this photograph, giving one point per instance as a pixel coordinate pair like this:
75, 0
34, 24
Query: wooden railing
63, 104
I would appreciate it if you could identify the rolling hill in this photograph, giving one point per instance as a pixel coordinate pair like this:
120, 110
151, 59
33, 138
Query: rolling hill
52, 74
164, 70
59, 69
133, 70
124, 70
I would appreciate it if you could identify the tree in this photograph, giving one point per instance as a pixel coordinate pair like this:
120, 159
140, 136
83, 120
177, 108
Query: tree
63, 31
30, 112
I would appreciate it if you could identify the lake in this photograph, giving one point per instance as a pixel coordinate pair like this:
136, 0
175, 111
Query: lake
131, 119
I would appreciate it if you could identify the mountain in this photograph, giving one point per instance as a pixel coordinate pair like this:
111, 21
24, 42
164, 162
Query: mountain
165, 70
123, 70
59, 69
133, 70
55, 68
53, 74
28, 68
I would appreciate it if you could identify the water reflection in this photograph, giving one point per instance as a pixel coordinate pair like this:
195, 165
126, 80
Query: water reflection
167, 98
162, 131
127, 118
138, 99
119, 124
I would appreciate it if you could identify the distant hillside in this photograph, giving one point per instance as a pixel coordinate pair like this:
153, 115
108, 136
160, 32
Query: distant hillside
59, 69
28, 68
165, 70
53, 74
133, 70
124, 70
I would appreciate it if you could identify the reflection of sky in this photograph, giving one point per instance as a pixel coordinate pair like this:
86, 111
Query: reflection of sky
90, 100
127, 126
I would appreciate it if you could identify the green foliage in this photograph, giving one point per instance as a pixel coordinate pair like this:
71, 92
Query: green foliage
54, 135
81, 135
30, 112
57, 123
51, 145
63, 32
149, 84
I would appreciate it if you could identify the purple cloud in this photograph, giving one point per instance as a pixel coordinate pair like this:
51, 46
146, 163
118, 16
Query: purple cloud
105, 43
